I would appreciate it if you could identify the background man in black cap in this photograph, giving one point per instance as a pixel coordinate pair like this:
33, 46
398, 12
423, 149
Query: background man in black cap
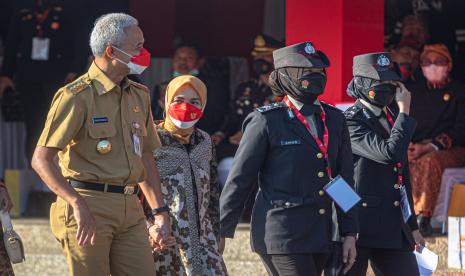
291, 225
380, 133
248, 96
40, 56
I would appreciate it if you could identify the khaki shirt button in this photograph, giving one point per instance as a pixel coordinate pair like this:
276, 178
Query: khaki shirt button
364, 204
321, 174
396, 186
319, 155
322, 211
321, 193
396, 203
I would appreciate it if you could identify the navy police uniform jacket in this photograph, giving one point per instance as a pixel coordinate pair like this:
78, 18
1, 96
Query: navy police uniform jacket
292, 213
376, 153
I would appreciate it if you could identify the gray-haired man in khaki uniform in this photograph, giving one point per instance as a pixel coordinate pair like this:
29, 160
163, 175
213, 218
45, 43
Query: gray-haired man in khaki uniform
102, 130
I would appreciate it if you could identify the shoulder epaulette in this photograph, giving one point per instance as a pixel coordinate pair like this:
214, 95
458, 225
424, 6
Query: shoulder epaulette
269, 107
78, 85
351, 111
139, 85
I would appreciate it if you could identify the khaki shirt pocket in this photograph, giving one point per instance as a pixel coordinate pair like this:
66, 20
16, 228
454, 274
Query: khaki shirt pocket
100, 131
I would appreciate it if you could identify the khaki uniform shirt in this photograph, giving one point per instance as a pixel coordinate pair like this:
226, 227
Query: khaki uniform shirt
91, 109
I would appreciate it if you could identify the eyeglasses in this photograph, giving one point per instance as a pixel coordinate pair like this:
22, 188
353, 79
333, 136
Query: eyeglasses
437, 62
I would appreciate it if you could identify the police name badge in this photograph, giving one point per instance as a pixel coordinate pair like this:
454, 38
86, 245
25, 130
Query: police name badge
40, 48
404, 204
136, 140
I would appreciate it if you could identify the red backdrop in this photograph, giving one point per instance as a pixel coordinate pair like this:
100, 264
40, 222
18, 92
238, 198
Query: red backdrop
341, 29
219, 27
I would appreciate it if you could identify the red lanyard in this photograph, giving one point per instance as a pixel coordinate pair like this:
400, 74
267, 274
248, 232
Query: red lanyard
398, 165
40, 18
322, 145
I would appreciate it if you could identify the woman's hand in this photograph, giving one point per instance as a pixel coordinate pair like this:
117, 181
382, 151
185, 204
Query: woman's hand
349, 253
419, 240
5, 200
221, 245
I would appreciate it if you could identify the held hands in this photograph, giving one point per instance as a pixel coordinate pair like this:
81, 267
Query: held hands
403, 98
349, 253
86, 230
160, 235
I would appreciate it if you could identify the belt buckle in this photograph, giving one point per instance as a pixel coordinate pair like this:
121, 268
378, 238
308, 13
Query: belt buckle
129, 190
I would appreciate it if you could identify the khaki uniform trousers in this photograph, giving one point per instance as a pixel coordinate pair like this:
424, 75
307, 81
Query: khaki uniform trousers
121, 241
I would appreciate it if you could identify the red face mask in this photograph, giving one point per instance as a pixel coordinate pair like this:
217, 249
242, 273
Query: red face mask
137, 64
184, 115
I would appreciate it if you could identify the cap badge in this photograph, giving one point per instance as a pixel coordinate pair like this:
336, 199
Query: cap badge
309, 49
383, 61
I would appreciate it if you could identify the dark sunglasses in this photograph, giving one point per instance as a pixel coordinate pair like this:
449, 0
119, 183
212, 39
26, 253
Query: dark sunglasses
437, 62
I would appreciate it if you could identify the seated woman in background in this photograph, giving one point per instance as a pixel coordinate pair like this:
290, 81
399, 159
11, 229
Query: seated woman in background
438, 105
187, 166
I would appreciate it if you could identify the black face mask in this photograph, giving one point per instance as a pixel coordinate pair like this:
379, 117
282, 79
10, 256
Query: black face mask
304, 87
311, 86
262, 67
382, 95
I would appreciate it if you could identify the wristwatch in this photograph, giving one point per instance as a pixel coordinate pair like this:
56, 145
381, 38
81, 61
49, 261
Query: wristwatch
157, 211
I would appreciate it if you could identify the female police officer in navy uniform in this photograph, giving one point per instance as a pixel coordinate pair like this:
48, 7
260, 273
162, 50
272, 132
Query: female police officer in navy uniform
288, 147
380, 137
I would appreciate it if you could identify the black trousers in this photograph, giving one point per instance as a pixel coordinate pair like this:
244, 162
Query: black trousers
388, 262
294, 264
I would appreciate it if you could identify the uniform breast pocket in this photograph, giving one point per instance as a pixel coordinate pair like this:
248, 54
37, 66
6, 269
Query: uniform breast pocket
102, 131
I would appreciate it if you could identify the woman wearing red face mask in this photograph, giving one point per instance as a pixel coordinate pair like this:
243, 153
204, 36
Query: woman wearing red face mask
438, 105
187, 166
